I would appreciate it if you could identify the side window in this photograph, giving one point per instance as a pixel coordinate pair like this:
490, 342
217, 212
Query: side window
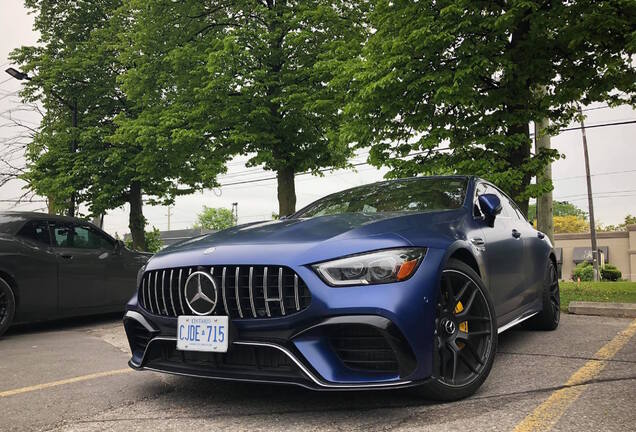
36, 231
480, 189
507, 207
518, 211
79, 237
62, 234
87, 238
483, 188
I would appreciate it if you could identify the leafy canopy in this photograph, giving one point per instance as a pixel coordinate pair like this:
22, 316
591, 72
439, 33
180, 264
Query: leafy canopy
69, 73
469, 76
215, 219
246, 76
570, 224
559, 208
629, 220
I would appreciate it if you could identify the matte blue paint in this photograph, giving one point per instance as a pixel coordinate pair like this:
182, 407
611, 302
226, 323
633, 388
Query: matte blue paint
511, 268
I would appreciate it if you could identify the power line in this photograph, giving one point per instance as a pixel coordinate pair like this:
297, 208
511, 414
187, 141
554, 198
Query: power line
606, 193
240, 182
597, 126
595, 175
21, 201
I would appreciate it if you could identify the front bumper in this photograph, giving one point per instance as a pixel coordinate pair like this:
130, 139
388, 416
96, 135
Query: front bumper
376, 336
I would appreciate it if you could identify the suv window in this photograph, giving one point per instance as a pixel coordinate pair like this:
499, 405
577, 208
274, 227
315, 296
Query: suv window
79, 237
36, 231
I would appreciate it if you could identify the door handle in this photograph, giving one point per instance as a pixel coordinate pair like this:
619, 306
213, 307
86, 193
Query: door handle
516, 234
66, 256
477, 241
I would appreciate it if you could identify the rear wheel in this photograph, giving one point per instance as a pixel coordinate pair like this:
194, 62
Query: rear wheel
465, 339
7, 306
549, 317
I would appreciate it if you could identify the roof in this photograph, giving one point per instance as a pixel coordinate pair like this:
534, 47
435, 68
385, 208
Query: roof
39, 215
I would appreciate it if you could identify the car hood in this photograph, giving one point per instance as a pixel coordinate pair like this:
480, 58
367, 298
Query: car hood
299, 240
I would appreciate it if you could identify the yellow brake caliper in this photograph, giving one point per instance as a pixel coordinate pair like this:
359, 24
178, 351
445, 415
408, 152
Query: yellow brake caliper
463, 326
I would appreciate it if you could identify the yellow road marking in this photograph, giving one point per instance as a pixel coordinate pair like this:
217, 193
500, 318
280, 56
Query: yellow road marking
546, 415
63, 382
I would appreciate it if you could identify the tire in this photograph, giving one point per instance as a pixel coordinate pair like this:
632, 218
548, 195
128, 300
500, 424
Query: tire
7, 306
549, 317
470, 343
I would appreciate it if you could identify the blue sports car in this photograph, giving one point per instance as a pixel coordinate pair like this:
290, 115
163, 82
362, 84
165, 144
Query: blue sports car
402, 283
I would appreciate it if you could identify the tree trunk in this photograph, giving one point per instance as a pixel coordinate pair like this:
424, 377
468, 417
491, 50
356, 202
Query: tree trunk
136, 220
286, 192
517, 158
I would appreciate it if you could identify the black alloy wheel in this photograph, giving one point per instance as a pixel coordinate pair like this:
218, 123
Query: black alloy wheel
7, 306
549, 317
465, 338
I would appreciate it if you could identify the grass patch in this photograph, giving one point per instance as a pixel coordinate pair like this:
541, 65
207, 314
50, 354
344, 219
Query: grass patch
612, 292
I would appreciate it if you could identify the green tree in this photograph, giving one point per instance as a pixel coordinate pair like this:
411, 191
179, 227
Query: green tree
559, 208
63, 80
629, 220
215, 218
248, 76
110, 159
469, 77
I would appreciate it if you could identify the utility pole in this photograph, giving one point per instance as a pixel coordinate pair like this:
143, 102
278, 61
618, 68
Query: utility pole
590, 201
545, 221
169, 214
235, 212
98, 220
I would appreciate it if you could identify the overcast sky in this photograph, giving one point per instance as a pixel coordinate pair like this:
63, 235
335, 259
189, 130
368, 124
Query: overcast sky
612, 156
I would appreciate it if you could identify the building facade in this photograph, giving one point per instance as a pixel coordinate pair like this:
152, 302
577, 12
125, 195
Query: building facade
618, 248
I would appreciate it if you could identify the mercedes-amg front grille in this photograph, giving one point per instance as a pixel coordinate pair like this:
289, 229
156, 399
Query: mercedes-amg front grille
240, 291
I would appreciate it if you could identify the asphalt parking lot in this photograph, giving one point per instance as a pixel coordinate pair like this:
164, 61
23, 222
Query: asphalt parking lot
72, 376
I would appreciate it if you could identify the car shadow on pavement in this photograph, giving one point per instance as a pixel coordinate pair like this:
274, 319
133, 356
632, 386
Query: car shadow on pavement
65, 324
205, 396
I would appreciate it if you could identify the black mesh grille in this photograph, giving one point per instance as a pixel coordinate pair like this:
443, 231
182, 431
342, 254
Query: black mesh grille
363, 347
138, 336
261, 291
255, 362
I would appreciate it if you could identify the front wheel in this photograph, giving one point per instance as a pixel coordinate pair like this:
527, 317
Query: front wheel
7, 306
465, 337
549, 317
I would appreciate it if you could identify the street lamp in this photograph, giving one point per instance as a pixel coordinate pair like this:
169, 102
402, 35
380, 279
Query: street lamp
73, 107
17, 74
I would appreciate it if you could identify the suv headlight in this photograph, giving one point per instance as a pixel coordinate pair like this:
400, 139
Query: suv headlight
385, 266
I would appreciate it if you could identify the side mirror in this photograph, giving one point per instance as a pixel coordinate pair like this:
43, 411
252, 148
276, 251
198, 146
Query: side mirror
490, 206
119, 246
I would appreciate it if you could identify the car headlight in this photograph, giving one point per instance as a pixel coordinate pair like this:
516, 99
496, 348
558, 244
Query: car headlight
140, 274
385, 266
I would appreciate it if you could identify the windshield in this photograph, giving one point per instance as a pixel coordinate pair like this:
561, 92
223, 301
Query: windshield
423, 194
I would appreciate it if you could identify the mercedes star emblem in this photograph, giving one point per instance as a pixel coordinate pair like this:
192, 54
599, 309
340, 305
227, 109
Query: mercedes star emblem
200, 293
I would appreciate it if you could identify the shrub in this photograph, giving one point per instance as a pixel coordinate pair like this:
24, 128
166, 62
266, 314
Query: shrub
611, 273
584, 270
153, 241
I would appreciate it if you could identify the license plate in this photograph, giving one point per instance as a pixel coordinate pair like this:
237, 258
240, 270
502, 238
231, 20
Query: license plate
202, 333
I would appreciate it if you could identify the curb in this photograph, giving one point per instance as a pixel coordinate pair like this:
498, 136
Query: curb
617, 310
